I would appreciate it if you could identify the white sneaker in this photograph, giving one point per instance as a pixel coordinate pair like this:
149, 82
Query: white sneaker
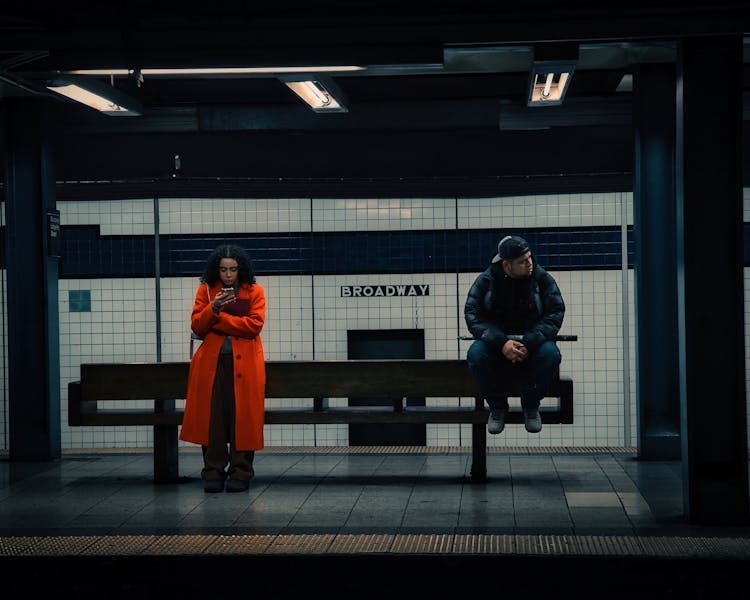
532, 420
496, 422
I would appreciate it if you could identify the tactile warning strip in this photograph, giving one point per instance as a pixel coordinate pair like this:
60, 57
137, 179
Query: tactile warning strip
422, 544
361, 544
240, 544
301, 544
447, 449
439, 543
382, 450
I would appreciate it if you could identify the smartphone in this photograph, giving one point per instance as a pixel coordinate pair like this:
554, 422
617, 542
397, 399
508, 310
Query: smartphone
227, 290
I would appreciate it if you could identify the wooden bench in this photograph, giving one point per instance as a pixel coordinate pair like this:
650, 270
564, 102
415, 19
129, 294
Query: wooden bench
164, 382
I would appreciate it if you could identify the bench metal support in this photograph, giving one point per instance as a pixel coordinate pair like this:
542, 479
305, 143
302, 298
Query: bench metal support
566, 400
478, 447
166, 459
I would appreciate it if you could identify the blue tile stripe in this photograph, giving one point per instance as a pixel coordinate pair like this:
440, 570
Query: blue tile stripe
86, 253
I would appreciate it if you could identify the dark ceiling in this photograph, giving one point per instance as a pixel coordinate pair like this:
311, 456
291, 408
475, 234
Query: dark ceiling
452, 74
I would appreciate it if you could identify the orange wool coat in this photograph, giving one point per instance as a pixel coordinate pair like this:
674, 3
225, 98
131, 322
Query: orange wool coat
249, 366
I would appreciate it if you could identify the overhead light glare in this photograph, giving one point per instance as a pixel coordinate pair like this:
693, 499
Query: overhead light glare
221, 70
321, 95
105, 99
100, 72
549, 82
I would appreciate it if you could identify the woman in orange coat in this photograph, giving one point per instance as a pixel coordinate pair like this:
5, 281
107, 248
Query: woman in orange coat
226, 385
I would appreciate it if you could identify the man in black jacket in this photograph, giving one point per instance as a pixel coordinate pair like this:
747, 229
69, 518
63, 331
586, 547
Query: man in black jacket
514, 311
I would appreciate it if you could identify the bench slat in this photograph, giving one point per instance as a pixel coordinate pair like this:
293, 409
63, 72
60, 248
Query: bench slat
353, 414
377, 414
293, 379
129, 416
134, 381
290, 379
397, 378
126, 417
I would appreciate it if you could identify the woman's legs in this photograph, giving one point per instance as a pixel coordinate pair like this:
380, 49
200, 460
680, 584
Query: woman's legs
221, 432
240, 461
215, 455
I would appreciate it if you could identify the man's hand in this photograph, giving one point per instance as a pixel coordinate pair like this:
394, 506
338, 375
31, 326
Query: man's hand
515, 351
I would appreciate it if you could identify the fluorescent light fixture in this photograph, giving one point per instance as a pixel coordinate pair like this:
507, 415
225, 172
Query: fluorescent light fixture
316, 95
551, 72
320, 93
104, 98
549, 81
221, 70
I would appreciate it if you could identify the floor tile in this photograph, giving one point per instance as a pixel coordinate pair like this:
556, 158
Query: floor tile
593, 499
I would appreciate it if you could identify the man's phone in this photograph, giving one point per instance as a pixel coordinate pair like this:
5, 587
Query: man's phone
227, 290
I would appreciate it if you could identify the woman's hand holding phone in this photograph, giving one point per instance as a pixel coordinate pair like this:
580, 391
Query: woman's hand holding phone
226, 296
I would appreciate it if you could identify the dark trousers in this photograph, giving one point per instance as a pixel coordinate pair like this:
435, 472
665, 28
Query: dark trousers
221, 430
499, 378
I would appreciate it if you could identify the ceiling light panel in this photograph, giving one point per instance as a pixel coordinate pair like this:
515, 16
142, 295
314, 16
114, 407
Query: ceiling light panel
106, 99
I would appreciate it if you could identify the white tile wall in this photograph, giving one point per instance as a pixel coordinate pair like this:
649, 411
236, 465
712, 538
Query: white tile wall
234, 215
115, 217
307, 317
383, 214
121, 327
553, 210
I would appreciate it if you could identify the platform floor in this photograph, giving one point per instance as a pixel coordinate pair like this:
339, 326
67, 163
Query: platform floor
574, 519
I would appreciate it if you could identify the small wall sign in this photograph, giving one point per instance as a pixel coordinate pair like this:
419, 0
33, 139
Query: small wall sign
53, 233
384, 291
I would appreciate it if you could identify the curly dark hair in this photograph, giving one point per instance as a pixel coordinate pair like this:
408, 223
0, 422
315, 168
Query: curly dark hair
245, 273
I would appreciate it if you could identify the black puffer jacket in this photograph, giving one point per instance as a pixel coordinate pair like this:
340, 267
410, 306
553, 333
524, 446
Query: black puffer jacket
498, 306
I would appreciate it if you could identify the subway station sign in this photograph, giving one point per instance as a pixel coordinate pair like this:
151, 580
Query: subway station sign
384, 291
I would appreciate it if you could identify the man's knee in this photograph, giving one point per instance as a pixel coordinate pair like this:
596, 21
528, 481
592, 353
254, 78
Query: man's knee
479, 352
548, 355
